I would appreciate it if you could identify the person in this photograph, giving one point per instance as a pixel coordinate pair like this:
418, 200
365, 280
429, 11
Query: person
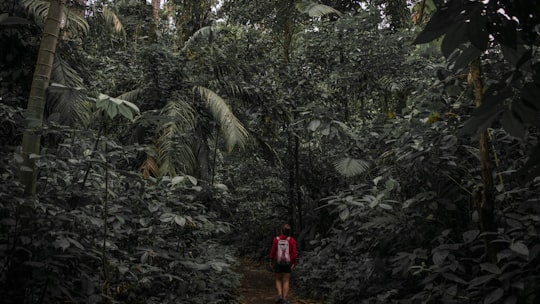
283, 270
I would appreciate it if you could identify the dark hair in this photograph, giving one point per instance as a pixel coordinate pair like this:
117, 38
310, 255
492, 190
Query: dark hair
286, 229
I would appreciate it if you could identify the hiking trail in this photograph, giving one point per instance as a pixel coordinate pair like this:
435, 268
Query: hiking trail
258, 285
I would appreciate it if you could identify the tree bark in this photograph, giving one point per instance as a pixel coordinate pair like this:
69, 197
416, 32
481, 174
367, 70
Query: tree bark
485, 203
155, 10
202, 153
36, 100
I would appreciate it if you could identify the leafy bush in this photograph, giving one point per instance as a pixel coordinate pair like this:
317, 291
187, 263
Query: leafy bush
117, 238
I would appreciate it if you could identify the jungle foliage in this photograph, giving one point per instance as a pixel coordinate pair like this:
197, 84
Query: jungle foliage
398, 138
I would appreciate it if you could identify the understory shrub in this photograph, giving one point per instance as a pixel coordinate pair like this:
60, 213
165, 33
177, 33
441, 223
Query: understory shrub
407, 231
117, 238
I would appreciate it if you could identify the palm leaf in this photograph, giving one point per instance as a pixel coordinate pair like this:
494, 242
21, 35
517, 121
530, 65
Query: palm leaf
131, 95
348, 166
315, 9
149, 168
204, 32
173, 145
37, 8
231, 128
74, 24
112, 19
66, 95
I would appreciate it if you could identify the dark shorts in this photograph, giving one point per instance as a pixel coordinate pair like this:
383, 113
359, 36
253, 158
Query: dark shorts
282, 268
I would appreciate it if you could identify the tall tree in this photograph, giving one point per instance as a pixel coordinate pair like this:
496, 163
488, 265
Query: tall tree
36, 101
471, 30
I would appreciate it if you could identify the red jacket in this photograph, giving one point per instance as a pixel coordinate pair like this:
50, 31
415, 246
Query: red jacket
292, 248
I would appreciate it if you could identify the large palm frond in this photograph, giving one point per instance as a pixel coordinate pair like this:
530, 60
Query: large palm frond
66, 95
204, 32
231, 128
73, 24
315, 9
173, 144
112, 19
131, 95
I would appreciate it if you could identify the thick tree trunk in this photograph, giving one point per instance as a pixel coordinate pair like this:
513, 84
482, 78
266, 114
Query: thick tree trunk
485, 203
155, 10
36, 101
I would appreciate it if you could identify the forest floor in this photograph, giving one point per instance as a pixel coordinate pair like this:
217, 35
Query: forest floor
258, 285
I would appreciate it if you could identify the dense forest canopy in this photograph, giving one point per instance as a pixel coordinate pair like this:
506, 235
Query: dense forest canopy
148, 146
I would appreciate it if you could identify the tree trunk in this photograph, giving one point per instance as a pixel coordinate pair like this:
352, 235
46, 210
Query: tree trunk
155, 10
202, 153
154, 26
36, 100
485, 203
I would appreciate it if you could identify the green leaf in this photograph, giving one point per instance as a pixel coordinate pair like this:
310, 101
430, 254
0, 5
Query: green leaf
439, 257
471, 235
463, 57
453, 39
520, 248
166, 217
452, 277
315, 9
494, 296
491, 107
177, 179
192, 179
512, 124
385, 206
125, 111
113, 106
18, 158
180, 220
61, 242
476, 29
6, 19
314, 124
231, 127
492, 268
76, 243
131, 105
344, 214
525, 112
144, 257
441, 22
349, 166
481, 280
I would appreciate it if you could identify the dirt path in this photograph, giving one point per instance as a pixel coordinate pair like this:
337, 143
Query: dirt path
258, 285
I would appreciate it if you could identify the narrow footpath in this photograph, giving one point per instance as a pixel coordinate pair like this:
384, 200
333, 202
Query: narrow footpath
258, 286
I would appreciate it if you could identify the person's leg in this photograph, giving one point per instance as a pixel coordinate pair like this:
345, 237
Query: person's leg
279, 284
285, 279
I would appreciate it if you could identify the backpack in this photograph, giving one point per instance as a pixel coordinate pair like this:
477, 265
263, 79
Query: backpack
283, 256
